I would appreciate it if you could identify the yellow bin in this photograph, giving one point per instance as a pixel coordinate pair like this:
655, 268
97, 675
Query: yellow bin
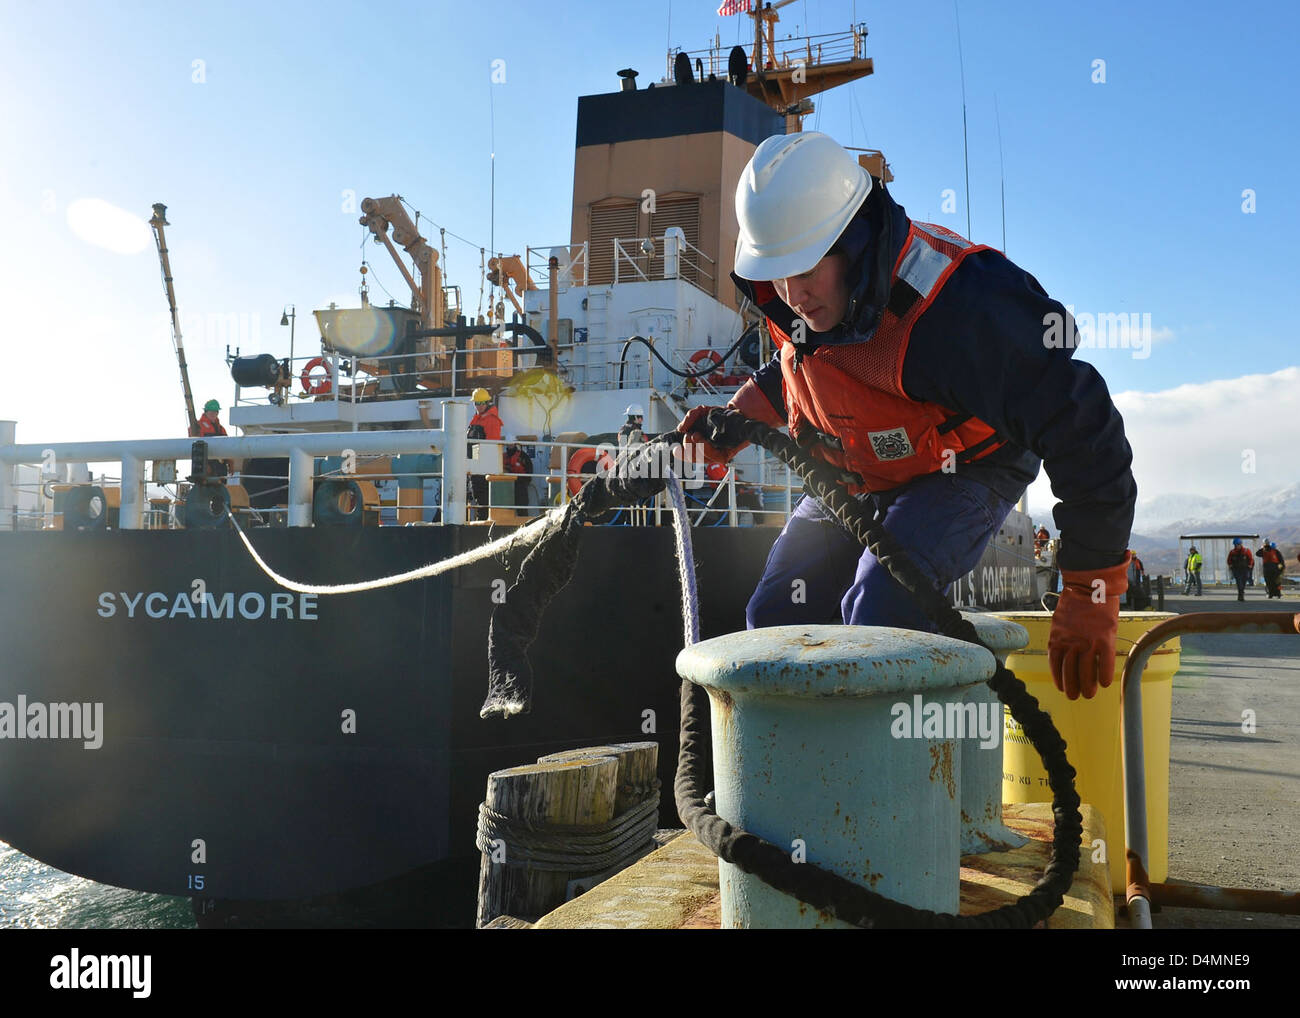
1094, 735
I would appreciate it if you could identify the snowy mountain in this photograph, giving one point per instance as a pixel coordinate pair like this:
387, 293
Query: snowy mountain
1264, 512
1161, 520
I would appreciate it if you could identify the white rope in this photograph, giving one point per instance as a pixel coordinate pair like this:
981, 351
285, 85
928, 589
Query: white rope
685, 562
524, 536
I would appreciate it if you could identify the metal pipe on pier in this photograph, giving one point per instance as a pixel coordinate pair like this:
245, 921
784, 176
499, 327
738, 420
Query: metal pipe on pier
8, 493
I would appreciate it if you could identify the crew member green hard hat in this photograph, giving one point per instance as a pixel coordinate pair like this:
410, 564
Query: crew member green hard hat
211, 404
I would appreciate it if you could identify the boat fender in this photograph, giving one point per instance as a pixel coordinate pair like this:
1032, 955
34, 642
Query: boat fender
84, 508
337, 503
204, 507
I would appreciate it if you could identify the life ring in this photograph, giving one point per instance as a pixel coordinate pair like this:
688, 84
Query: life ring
700, 356
583, 463
319, 387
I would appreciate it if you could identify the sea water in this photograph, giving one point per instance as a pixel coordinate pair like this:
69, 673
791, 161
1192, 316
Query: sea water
36, 896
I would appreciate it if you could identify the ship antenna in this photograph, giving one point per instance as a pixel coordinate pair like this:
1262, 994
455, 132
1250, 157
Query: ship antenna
1002, 173
492, 227
965, 149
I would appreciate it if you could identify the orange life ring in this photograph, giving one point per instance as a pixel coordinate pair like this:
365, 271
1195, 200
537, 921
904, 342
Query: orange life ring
319, 387
700, 356
587, 458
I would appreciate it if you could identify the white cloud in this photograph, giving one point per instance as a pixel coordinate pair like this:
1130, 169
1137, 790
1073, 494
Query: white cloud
105, 225
1218, 438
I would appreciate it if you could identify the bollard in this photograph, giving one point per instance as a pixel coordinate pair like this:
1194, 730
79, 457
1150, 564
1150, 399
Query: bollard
835, 742
982, 829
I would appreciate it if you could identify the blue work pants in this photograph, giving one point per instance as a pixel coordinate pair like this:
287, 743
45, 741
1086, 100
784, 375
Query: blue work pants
817, 573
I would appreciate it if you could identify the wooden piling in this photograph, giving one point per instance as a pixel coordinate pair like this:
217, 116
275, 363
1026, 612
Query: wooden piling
638, 763
579, 792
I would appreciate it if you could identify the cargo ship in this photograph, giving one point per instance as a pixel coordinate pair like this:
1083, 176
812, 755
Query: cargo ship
182, 725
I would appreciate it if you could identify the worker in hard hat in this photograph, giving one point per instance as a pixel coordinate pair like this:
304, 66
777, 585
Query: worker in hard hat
1195, 561
209, 424
1273, 565
632, 431
926, 369
1240, 563
486, 424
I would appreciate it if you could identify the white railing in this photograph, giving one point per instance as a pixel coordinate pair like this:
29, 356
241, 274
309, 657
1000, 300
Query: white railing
653, 258
390, 376
301, 449
537, 262
710, 502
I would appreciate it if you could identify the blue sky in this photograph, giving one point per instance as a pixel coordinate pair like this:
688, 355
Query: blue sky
1122, 196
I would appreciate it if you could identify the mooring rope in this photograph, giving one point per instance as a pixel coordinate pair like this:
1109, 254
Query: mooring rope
685, 561
523, 537
552, 543
510, 680
571, 848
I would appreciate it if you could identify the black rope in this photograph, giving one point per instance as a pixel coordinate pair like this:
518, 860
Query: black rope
829, 892
711, 369
570, 848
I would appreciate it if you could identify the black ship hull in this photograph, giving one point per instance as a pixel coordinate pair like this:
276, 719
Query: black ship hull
256, 745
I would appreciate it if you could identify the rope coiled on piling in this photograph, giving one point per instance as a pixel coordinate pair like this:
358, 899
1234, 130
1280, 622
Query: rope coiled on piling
570, 848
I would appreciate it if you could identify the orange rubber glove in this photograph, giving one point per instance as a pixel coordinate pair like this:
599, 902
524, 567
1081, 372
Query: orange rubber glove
750, 401
1081, 645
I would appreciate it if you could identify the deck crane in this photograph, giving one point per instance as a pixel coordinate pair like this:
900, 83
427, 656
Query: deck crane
426, 294
158, 221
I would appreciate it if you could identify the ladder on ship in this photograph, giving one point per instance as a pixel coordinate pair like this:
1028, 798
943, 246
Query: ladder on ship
598, 327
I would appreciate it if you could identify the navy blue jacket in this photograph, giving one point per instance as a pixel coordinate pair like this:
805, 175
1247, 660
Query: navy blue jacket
979, 349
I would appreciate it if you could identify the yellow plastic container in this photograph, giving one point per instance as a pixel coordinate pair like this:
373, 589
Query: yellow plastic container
1093, 733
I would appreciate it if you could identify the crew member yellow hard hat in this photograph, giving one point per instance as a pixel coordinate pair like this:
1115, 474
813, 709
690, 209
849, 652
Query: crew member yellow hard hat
481, 396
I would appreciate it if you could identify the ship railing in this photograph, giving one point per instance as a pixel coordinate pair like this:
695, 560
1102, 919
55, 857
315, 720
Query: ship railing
726, 501
643, 259
300, 448
354, 378
812, 50
572, 269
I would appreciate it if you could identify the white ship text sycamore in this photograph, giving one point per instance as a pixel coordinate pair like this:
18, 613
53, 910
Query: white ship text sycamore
25, 720
251, 605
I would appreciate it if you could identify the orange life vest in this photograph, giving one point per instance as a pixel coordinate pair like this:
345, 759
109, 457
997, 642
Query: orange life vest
846, 402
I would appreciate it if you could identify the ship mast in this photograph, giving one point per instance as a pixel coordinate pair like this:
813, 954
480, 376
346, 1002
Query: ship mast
158, 221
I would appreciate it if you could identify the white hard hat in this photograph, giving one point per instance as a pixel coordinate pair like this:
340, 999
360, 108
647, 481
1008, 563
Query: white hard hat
634, 410
793, 200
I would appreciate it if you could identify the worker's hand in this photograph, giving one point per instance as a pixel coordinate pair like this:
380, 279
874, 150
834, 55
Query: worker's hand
1081, 646
748, 401
691, 427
